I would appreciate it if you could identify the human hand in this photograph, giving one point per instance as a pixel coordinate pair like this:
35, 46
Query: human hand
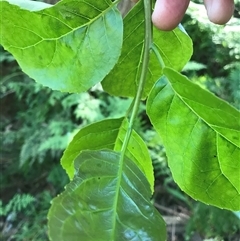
168, 14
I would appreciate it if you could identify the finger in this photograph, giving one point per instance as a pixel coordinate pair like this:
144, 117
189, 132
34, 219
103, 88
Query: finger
168, 14
219, 11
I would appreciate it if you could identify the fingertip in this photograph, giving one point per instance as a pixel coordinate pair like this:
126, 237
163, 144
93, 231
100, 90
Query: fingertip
219, 11
159, 21
168, 14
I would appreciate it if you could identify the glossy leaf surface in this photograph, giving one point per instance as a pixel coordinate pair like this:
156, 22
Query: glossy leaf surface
201, 134
108, 199
175, 48
70, 46
108, 134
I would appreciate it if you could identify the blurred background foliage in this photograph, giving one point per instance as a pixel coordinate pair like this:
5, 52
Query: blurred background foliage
38, 123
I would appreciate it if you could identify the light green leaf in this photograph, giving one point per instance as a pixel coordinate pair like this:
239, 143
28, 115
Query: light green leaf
174, 46
29, 5
108, 200
108, 134
70, 46
201, 134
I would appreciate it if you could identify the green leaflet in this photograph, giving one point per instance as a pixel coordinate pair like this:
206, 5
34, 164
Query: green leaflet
201, 134
108, 134
108, 199
175, 48
70, 46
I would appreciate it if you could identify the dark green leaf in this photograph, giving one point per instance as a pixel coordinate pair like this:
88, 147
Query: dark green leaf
108, 200
108, 134
201, 134
68, 47
174, 46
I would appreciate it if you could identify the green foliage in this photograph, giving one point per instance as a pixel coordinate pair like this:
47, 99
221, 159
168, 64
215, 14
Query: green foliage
73, 45
114, 209
123, 80
214, 218
214, 46
48, 134
206, 145
55, 53
227, 87
18, 203
56, 116
108, 134
25, 224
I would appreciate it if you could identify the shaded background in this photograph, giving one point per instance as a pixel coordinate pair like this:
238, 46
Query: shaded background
38, 123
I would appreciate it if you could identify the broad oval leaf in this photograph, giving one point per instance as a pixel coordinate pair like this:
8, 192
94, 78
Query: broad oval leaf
108, 134
108, 199
174, 46
70, 46
201, 134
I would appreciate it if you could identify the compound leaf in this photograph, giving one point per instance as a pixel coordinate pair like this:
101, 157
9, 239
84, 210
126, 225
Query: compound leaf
70, 46
108, 199
108, 134
175, 48
201, 134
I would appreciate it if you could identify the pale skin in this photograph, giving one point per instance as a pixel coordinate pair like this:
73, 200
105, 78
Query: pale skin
168, 14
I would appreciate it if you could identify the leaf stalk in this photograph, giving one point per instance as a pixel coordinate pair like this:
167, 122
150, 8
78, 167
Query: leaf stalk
158, 55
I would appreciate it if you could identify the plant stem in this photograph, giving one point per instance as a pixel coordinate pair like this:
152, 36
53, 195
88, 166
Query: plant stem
159, 57
137, 99
129, 111
142, 80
